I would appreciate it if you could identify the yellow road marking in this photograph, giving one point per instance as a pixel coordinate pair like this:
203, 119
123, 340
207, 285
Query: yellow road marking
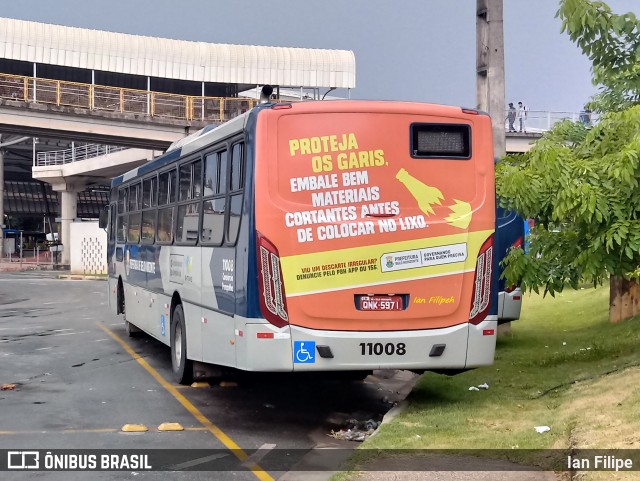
188, 405
83, 431
106, 430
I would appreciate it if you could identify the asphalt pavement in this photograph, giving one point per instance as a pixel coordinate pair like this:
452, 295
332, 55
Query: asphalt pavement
76, 387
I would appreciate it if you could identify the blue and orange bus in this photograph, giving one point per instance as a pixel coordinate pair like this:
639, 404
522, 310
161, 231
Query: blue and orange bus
314, 236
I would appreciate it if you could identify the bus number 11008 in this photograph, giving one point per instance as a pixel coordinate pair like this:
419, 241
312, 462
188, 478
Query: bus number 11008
377, 349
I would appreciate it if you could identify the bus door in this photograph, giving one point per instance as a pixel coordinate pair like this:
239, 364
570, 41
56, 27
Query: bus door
218, 260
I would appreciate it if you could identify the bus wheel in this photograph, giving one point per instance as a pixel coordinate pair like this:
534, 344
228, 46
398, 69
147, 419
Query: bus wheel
120, 299
181, 366
130, 329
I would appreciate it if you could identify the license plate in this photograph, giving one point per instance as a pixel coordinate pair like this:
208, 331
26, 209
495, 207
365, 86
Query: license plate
381, 303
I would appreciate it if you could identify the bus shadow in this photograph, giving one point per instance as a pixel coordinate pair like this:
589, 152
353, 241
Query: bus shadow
307, 407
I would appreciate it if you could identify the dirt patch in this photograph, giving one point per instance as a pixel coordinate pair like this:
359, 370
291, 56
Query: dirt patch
608, 411
606, 417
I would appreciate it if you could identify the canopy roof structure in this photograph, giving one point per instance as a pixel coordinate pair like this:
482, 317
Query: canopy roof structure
83, 48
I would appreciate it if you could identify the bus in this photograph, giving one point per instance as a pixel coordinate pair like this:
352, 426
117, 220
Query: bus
510, 233
314, 236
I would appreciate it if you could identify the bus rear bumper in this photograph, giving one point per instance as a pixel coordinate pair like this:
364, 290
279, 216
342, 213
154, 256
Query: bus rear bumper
482, 343
442, 348
262, 347
509, 305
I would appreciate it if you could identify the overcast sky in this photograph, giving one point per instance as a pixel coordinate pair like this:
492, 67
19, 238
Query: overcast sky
422, 50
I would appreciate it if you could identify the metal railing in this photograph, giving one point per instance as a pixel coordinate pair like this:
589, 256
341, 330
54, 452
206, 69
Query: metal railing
183, 107
543, 120
74, 154
116, 99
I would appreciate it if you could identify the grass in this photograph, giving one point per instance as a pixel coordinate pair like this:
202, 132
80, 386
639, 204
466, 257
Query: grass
563, 365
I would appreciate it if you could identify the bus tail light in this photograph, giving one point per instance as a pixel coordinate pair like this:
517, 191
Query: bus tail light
518, 243
482, 283
273, 302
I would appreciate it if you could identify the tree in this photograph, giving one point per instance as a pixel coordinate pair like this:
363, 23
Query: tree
581, 184
612, 43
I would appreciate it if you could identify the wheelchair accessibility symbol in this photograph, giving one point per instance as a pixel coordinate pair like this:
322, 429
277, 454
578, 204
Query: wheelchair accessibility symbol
304, 352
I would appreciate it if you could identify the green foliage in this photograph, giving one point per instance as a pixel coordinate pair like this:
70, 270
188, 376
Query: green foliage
612, 42
582, 186
541, 370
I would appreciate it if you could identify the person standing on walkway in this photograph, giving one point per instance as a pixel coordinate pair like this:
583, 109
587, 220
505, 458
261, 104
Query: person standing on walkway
522, 117
511, 117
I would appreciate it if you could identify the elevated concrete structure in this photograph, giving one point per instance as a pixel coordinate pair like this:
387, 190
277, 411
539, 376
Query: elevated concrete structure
95, 170
41, 120
111, 88
71, 178
517, 143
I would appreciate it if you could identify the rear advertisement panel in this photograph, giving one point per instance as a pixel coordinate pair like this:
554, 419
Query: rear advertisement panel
371, 235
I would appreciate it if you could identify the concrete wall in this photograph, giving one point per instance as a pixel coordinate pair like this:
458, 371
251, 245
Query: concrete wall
89, 248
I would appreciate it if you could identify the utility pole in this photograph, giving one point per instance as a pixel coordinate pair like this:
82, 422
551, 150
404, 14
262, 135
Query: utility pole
490, 76
490, 67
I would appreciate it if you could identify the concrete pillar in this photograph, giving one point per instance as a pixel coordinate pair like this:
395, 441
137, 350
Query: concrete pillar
68, 213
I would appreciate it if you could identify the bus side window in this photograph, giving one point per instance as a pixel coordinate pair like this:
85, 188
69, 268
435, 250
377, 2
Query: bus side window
184, 190
133, 236
148, 226
112, 223
167, 187
163, 189
211, 175
165, 225
123, 218
236, 192
197, 179
173, 183
188, 218
134, 197
214, 203
213, 221
149, 196
223, 173
237, 167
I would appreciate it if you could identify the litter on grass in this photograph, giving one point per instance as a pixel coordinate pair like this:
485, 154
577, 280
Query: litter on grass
479, 386
542, 429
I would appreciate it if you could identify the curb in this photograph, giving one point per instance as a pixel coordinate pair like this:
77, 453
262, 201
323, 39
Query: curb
391, 415
82, 277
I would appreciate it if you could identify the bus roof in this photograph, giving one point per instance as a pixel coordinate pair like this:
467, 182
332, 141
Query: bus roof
184, 146
210, 134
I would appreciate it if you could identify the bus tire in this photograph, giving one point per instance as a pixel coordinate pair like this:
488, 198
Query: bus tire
120, 299
130, 329
181, 366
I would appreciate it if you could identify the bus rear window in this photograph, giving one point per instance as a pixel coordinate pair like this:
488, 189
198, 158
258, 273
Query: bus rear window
452, 141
